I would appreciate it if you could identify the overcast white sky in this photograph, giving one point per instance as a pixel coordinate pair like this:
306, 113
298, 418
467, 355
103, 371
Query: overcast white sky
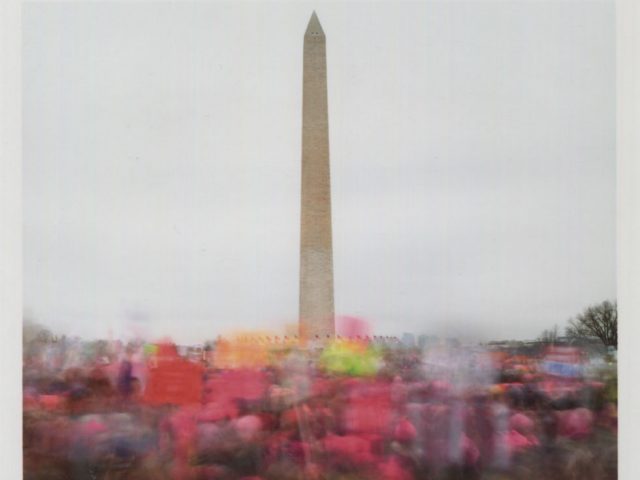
472, 156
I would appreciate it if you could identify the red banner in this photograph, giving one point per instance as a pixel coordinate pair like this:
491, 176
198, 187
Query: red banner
175, 382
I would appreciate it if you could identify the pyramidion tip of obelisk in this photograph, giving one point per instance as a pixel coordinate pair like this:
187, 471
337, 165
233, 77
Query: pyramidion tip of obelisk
314, 28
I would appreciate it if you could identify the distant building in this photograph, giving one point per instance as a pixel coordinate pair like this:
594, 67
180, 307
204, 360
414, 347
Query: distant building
408, 340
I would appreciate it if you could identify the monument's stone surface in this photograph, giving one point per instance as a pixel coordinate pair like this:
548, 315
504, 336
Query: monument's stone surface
316, 255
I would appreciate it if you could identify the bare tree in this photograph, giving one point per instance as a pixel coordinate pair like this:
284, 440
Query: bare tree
549, 336
34, 332
599, 321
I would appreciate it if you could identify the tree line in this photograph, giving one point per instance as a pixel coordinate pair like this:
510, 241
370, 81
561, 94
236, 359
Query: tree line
596, 321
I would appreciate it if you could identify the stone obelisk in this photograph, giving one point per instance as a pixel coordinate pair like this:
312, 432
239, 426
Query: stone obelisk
316, 253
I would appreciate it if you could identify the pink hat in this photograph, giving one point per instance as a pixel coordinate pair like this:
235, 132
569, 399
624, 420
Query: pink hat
521, 423
405, 431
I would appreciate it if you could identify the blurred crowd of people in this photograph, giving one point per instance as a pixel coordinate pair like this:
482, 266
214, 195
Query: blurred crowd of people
348, 409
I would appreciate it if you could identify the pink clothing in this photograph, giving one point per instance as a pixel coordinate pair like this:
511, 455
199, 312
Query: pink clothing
575, 424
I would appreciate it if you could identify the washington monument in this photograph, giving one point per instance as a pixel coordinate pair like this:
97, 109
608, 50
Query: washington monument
316, 252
